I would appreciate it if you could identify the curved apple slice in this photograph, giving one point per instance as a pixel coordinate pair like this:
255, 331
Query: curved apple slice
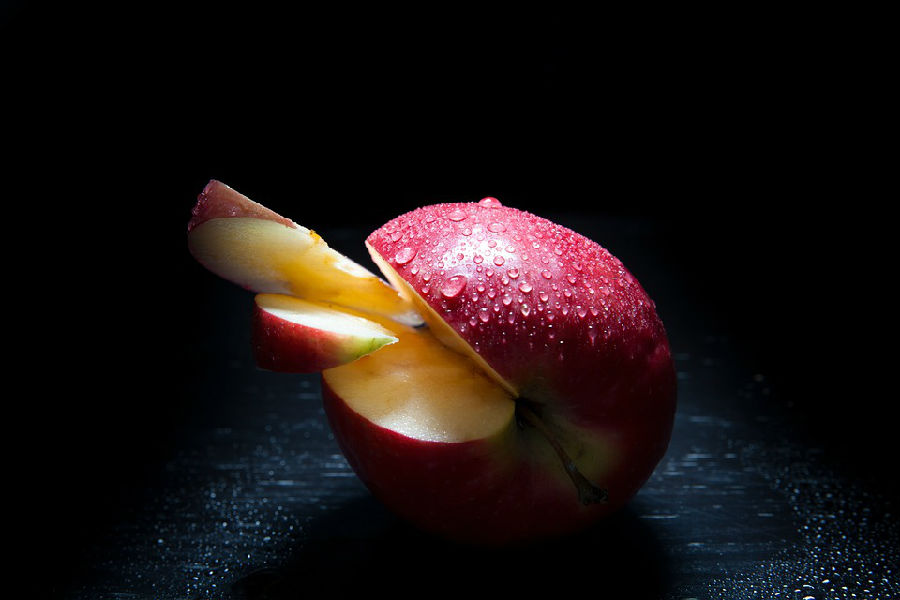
254, 247
296, 336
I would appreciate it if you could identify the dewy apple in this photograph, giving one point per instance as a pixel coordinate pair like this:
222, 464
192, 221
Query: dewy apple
539, 398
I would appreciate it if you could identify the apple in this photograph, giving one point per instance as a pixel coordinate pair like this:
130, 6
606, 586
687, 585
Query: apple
297, 336
538, 399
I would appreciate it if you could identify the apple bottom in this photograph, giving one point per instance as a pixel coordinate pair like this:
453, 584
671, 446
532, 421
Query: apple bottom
505, 489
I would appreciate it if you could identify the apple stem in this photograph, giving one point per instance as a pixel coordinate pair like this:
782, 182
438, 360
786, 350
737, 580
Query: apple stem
588, 493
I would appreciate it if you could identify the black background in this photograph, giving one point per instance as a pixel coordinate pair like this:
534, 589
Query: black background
751, 138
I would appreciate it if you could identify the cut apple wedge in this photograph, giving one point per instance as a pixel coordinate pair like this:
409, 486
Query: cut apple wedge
254, 247
297, 336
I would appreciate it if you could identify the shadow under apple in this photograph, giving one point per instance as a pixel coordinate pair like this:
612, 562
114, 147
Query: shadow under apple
361, 548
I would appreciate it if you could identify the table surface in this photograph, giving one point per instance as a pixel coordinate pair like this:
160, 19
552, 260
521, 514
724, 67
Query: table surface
245, 494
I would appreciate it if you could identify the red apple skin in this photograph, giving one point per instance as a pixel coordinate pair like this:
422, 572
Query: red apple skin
218, 201
551, 311
481, 492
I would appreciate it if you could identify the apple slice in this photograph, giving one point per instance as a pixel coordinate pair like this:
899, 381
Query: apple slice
254, 247
297, 336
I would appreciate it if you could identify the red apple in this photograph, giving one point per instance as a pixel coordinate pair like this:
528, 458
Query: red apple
540, 397
297, 336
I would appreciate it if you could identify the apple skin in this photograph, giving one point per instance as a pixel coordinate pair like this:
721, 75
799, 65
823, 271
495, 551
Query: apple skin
218, 201
551, 311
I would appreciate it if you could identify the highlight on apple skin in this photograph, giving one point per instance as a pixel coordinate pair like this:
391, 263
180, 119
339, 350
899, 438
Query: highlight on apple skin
537, 400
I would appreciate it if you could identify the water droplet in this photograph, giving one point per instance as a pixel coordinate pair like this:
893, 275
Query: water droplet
506, 299
525, 309
490, 202
491, 294
404, 256
582, 311
577, 266
466, 231
558, 251
525, 287
511, 317
456, 215
425, 290
546, 274
498, 260
426, 277
453, 286
473, 321
513, 273
480, 288
396, 235
592, 334
571, 278
492, 244
544, 296
496, 227
460, 256
477, 259
414, 269
484, 315
594, 311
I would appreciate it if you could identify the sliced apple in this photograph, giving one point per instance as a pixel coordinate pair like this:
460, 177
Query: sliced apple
254, 247
297, 336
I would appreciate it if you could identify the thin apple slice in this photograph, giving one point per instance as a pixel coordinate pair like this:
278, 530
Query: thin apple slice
254, 247
297, 336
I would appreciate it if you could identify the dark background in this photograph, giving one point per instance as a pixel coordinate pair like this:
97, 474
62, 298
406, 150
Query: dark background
749, 141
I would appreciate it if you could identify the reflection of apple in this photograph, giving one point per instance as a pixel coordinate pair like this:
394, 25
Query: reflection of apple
539, 398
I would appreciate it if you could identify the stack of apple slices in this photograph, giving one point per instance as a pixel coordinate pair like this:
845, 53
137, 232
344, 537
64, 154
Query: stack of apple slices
539, 397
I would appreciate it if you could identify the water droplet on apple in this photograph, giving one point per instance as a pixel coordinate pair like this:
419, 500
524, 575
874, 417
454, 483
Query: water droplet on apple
484, 315
558, 251
477, 259
492, 244
513, 273
496, 227
544, 296
456, 215
525, 287
499, 260
466, 231
404, 256
490, 202
506, 299
396, 235
571, 278
592, 334
546, 274
511, 317
453, 286
594, 311
525, 309
426, 277
582, 311
480, 287
472, 321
